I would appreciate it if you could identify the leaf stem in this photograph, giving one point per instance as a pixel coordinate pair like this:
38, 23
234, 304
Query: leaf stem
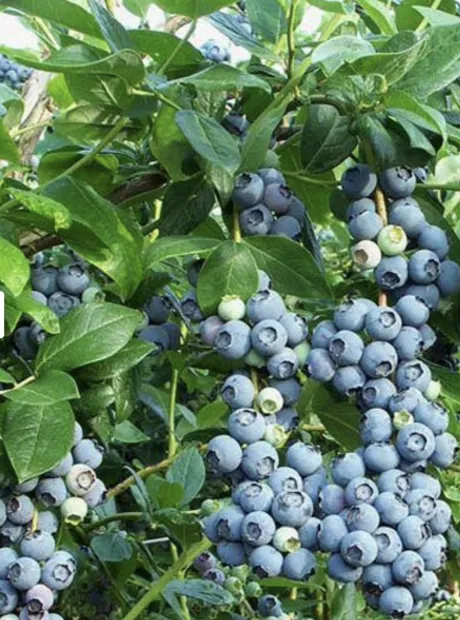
120, 516
20, 385
184, 560
172, 443
23, 130
236, 225
424, 23
178, 48
291, 37
301, 177
157, 95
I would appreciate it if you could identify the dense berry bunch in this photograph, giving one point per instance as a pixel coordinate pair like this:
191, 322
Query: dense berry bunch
59, 288
158, 328
32, 570
267, 205
12, 74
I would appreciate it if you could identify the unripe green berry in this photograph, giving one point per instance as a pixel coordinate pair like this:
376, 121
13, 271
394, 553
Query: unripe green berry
366, 255
92, 294
74, 510
276, 435
231, 308
401, 419
392, 240
253, 590
233, 585
269, 401
254, 359
286, 540
209, 507
433, 390
240, 572
271, 160
302, 351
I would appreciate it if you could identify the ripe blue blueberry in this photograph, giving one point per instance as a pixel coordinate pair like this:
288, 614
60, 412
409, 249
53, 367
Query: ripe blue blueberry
391, 508
269, 337
445, 451
256, 496
290, 390
358, 549
448, 281
376, 426
296, 328
398, 182
424, 267
47, 522
415, 442
346, 467
20, 509
428, 293
269, 605
296, 209
435, 239
379, 359
383, 323
157, 309
215, 574
292, 508
360, 490
413, 311
256, 220
333, 528
266, 561
413, 532
389, 544
420, 480
190, 307
230, 554
72, 279
377, 393
23, 343
359, 206
395, 481
271, 175
285, 479
349, 380
62, 303
413, 374
358, 182
362, 517
341, 571
258, 529
8, 597
44, 280
62, 468
377, 578
392, 273
7, 557
331, 499
406, 213
96, 495
59, 571
396, 602
246, 425
309, 533
24, 573
381, 456
224, 454
365, 226
299, 565
238, 391
350, 315
304, 458
283, 365
314, 483
346, 348
277, 198
89, 452
322, 334
421, 503
287, 226
266, 304
409, 343
432, 415
426, 587
321, 366
260, 459
233, 340
37, 545
209, 329
434, 552
408, 568
441, 520
156, 335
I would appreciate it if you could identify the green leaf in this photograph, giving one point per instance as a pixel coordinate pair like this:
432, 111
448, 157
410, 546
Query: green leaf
45, 317
380, 15
163, 46
50, 388
409, 13
209, 139
14, 267
44, 206
435, 17
221, 78
344, 605
168, 143
61, 12
339, 50
108, 91
173, 247
192, 8
442, 51
229, 270
291, 267
127, 358
111, 547
127, 432
6, 378
339, 417
267, 19
422, 115
186, 204
326, 139
184, 528
206, 591
8, 149
140, 8
114, 33
116, 252
37, 438
164, 494
90, 333
417, 138
450, 382
210, 415
189, 471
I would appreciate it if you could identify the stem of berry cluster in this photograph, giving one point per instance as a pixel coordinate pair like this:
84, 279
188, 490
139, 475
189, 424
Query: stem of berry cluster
236, 225
382, 212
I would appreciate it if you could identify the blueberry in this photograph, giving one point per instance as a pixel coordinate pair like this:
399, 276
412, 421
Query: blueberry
426, 587
73, 279
209, 329
266, 562
413, 311
396, 602
424, 267
292, 508
322, 334
350, 315
215, 52
428, 293
20, 509
256, 496
360, 490
287, 226
392, 240
389, 545
406, 213
260, 459
23, 343
435, 239
97, 495
448, 281
376, 426
238, 391
421, 503
377, 393
224, 454
157, 309
346, 467
233, 340
89, 452
230, 554
80, 479
269, 337
358, 182
434, 552
366, 254
331, 499
296, 209
215, 574
270, 176
38, 545
408, 568
362, 517
405, 400
358, 549
47, 522
409, 343
74, 510
155, 334
413, 374
193, 271
346, 348
341, 571
432, 415
383, 324
380, 457
8, 597
277, 197
285, 479
314, 483
379, 359
440, 522
24, 573
349, 380
398, 182
333, 528
7, 557
415, 442
37, 335
269, 605
257, 220
269, 401
445, 450
246, 425
78, 434
413, 532
392, 273
299, 565
38, 599
265, 304
249, 189
283, 365
394, 481
296, 328
362, 205
290, 390
236, 124
304, 458
377, 578
59, 571
190, 307
309, 533
365, 226
258, 529
391, 508
44, 280
62, 303
321, 366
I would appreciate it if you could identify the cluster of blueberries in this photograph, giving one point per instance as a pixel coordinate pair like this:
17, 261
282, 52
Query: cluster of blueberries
215, 51
157, 327
32, 571
61, 289
12, 74
267, 205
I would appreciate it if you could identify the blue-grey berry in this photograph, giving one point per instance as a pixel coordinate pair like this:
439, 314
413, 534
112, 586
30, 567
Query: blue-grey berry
389, 544
398, 182
233, 340
322, 334
224, 454
358, 549
259, 460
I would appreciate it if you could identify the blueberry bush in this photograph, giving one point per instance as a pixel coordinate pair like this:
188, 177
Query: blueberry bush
229, 379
